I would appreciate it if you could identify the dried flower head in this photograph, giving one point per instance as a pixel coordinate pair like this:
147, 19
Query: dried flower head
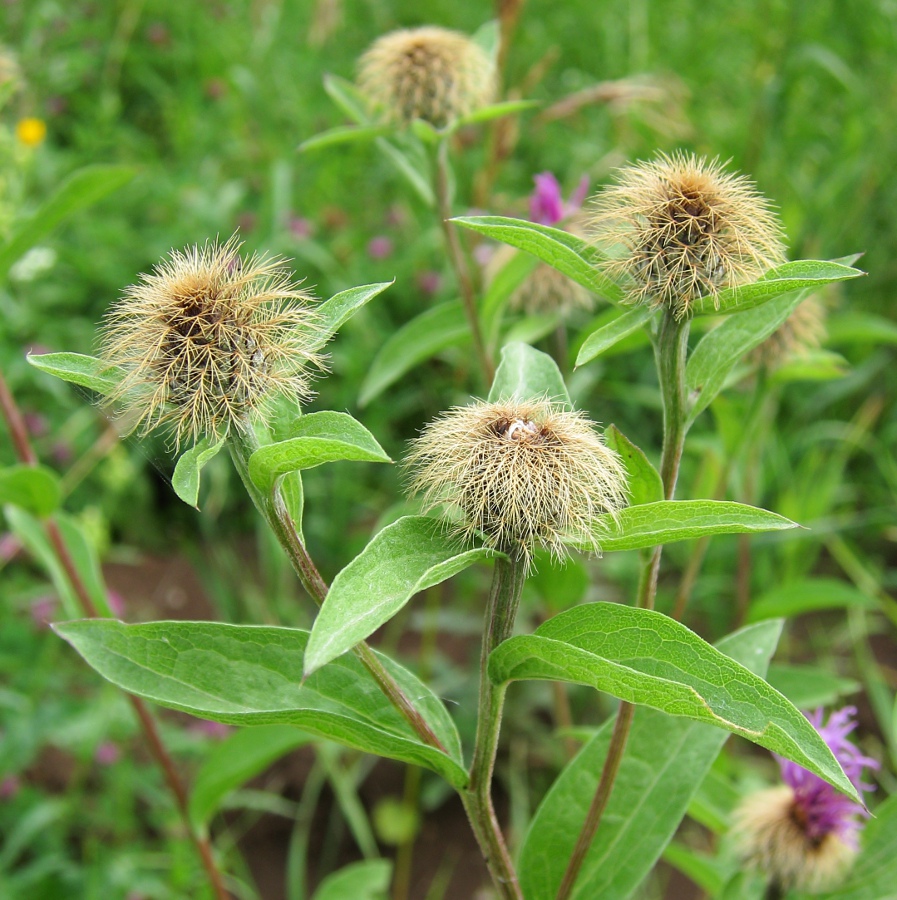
687, 228
526, 474
802, 331
207, 339
803, 835
427, 73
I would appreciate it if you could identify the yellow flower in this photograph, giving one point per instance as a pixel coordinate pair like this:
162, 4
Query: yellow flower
31, 132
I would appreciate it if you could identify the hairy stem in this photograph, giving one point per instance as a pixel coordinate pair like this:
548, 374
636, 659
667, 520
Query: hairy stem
25, 452
671, 349
276, 514
504, 599
458, 260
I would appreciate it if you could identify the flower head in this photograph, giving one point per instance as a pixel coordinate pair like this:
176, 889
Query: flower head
526, 474
687, 229
427, 73
31, 132
804, 834
207, 339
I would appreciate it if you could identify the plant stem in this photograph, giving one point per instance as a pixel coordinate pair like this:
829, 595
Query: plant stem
504, 599
26, 454
458, 260
671, 349
276, 514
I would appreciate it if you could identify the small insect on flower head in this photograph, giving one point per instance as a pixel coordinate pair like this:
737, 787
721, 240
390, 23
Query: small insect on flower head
679, 228
803, 835
208, 339
526, 474
429, 73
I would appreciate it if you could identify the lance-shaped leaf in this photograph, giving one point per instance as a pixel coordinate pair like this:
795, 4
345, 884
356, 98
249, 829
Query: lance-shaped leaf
345, 134
493, 111
605, 337
502, 286
652, 524
332, 314
185, 479
424, 336
404, 558
645, 485
802, 274
808, 595
77, 368
35, 488
649, 659
347, 97
234, 761
525, 373
665, 762
252, 675
562, 251
82, 189
318, 438
365, 880
721, 349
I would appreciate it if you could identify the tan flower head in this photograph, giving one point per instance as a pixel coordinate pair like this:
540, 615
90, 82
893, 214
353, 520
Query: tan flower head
207, 339
686, 228
772, 838
526, 474
802, 331
427, 73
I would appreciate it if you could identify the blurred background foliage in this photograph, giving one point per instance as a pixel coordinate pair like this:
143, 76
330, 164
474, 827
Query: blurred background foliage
208, 101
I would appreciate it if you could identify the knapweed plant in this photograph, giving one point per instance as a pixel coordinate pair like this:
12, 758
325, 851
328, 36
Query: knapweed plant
220, 351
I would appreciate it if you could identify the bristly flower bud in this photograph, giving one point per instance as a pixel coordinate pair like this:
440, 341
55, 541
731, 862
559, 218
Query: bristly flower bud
429, 73
525, 474
803, 835
687, 229
207, 339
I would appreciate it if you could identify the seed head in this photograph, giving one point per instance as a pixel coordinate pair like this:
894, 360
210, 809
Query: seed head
802, 331
803, 834
207, 339
687, 229
525, 474
426, 73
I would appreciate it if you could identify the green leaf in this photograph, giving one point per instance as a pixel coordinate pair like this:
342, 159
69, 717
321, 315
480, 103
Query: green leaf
860, 328
605, 337
318, 438
82, 189
525, 373
76, 368
417, 340
802, 274
809, 686
808, 595
335, 312
511, 275
31, 533
418, 180
345, 134
811, 365
875, 872
34, 488
645, 485
403, 559
561, 250
242, 756
649, 659
721, 349
185, 479
347, 97
666, 760
488, 36
493, 111
704, 870
653, 524
365, 880
252, 675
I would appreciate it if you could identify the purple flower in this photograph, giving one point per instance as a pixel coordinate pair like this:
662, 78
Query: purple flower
429, 282
107, 753
546, 204
379, 247
9, 787
300, 227
42, 610
116, 603
821, 809
215, 730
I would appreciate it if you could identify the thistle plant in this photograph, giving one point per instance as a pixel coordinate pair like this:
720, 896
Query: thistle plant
211, 344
